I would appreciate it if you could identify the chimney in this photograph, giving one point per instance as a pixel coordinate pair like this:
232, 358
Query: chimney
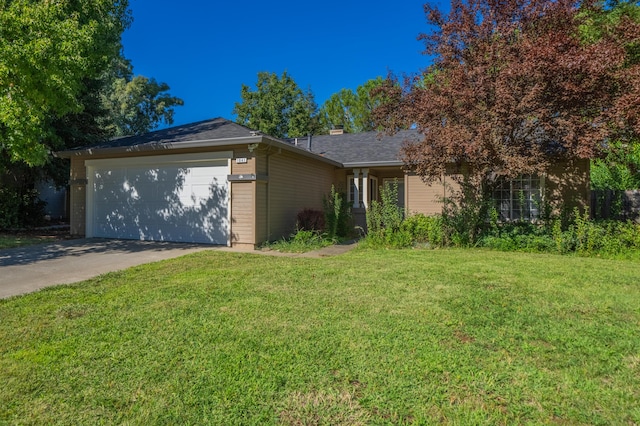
309, 142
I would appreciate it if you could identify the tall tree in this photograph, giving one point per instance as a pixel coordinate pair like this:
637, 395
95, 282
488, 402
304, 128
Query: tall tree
514, 88
48, 50
620, 167
352, 110
64, 83
134, 104
277, 107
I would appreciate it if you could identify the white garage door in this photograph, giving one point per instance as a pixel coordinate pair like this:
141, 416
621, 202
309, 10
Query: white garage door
168, 198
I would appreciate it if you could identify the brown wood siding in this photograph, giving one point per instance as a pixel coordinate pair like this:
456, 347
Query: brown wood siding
246, 168
262, 206
340, 179
261, 163
295, 183
243, 200
423, 198
242, 212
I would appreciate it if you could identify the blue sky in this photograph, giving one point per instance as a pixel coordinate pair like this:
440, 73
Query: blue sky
205, 50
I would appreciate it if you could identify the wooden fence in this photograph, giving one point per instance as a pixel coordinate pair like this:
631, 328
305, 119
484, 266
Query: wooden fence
611, 204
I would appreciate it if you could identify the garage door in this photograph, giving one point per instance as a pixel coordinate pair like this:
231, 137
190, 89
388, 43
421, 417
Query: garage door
177, 198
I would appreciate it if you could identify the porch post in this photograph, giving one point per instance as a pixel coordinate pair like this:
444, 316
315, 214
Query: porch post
365, 188
356, 188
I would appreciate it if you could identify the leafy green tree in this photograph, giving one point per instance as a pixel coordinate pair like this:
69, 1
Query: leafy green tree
48, 50
619, 169
352, 110
135, 104
277, 107
64, 83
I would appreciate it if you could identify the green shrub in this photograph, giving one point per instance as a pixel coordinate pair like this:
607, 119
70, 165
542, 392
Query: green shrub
385, 214
9, 209
582, 236
424, 229
388, 239
384, 220
20, 210
337, 215
301, 241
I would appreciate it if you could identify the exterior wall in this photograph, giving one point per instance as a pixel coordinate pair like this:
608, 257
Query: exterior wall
426, 199
78, 196
567, 186
242, 213
261, 212
295, 183
242, 198
340, 180
266, 208
243, 194
262, 198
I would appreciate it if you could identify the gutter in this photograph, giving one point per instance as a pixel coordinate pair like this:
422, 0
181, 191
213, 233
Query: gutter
157, 146
205, 143
372, 164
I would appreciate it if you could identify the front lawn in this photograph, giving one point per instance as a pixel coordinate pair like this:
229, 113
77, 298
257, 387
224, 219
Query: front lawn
369, 337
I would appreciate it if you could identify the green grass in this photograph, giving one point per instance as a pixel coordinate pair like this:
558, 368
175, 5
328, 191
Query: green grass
11, 240
369, 337
300, 242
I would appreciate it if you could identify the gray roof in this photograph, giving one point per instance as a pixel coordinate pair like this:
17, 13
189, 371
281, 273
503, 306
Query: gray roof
360, 148
350, 149
217, 128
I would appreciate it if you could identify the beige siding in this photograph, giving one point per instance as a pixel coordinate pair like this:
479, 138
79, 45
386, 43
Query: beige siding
262, 163
242, 213
423, 198
567, 186
295, 183
243, 195
262, 207
248, 167
340, 179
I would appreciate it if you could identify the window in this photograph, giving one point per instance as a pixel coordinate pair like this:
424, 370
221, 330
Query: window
373, 190
400, 183
352, 191
520, 198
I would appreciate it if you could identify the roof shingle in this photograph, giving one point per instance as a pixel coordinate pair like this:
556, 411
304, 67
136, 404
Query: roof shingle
348, 148
217, 128
366, 147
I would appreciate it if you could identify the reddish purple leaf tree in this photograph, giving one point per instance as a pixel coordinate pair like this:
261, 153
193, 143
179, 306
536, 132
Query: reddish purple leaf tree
514, 87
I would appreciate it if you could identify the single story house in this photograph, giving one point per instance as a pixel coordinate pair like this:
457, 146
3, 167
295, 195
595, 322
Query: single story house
219, 182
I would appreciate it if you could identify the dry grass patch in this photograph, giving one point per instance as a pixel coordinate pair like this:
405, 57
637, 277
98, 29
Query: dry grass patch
320, 407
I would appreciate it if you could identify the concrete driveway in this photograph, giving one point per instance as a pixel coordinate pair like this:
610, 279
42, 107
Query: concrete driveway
27, 269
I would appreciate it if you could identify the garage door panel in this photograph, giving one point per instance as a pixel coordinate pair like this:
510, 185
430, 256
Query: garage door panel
168, 203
